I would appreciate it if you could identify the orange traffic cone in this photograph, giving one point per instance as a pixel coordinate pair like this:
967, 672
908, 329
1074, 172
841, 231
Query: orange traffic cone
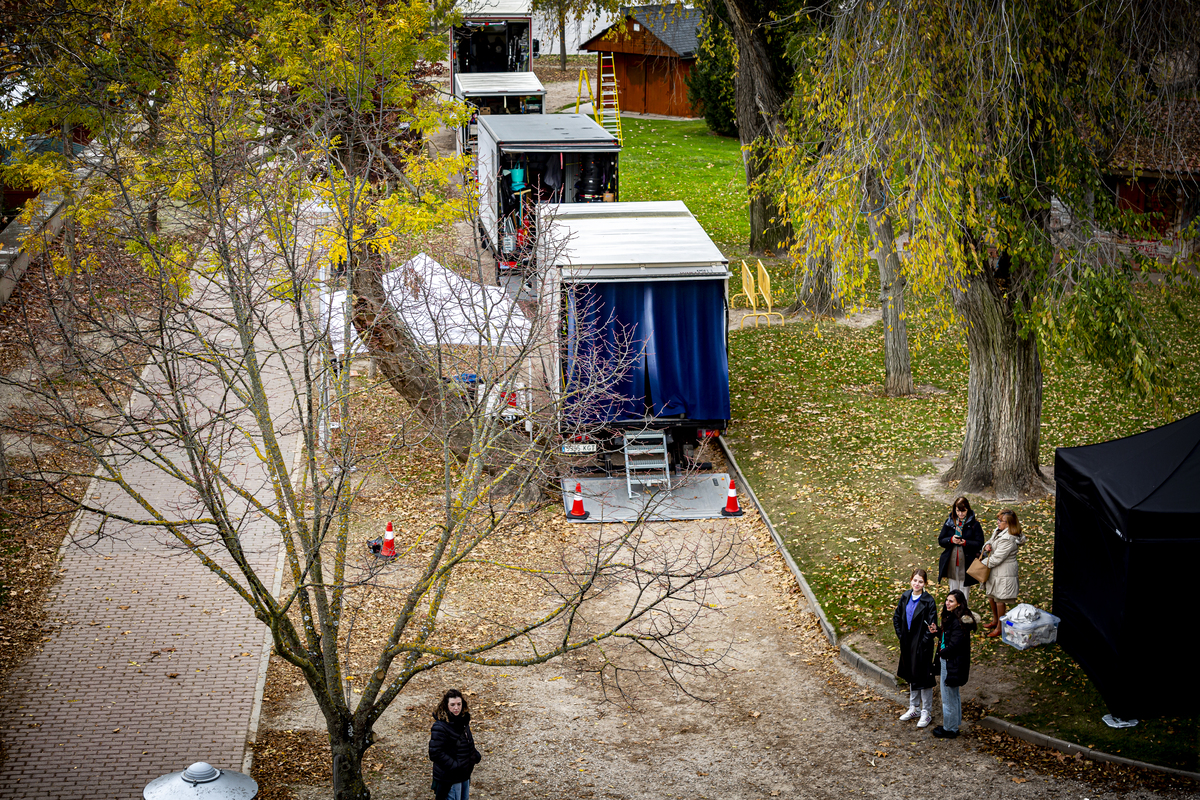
577, 511
389, 543
732, 509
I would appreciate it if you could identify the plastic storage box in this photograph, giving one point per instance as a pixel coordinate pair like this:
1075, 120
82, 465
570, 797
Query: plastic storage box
1027, 626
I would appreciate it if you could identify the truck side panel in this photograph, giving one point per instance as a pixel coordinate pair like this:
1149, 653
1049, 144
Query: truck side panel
667, 338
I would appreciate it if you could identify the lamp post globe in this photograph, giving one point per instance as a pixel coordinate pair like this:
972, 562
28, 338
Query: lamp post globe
202, 781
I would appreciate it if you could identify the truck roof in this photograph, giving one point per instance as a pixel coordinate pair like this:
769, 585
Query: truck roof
496, 8
592, 242
547, 132
497, 83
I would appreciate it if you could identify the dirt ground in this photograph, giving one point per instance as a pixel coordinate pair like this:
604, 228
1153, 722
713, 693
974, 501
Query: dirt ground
782, 719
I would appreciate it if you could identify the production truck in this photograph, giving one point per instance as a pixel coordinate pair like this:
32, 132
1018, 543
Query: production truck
494, 36
526, 161
496, 94
642, 286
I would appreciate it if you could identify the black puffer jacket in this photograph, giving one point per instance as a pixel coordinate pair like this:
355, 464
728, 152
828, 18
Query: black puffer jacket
452, 750
916, 642
955, 649
972, 534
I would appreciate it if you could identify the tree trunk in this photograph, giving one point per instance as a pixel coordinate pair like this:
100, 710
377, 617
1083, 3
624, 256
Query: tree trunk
562, 41
1004, 392
759, 98
818, 295
402, 361
416, 378
348, 746
897, 369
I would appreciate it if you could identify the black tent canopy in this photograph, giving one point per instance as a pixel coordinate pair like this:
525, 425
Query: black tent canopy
1126, 556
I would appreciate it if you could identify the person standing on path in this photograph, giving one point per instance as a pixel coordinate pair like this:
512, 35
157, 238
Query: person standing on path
961, 540
452, 748
1000, 555
915, 622
955, 655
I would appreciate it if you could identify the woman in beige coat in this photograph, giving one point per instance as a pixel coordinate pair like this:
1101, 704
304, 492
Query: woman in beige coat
1000, 555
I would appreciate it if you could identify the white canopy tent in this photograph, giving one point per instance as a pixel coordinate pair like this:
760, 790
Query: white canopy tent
333, 323
438, 306
442, 307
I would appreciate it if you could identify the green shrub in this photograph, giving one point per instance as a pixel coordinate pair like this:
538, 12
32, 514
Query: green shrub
710, 82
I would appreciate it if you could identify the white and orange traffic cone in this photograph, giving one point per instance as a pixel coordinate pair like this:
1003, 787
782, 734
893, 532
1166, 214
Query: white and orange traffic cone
732, 509
577, 511
389, 543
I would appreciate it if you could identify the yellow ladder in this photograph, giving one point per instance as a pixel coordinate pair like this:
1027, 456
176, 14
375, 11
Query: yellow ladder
605, 106
609, 112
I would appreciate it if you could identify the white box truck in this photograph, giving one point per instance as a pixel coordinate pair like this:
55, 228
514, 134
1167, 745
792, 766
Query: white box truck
496, 94
494, 36
525, 161
640, 285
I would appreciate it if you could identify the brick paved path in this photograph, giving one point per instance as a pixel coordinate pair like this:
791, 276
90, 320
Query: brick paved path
154, 664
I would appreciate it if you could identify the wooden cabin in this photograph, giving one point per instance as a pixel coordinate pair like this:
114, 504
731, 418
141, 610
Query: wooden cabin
653, 49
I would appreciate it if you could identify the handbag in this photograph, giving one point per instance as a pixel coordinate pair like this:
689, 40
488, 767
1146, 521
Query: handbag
979, 571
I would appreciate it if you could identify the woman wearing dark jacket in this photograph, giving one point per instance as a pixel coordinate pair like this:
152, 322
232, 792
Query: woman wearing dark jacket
955, 654
961, 540
452, 748
915, 622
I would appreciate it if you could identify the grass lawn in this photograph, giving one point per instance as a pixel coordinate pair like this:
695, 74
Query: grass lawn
673, 160
836, 463
670, 160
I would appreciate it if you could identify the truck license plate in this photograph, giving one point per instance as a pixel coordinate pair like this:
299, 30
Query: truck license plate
575, 448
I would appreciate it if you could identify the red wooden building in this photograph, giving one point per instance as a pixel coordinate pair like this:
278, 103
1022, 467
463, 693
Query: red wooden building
653, 50
1156, 171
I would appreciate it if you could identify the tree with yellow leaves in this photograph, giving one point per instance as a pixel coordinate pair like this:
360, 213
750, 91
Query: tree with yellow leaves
983, 130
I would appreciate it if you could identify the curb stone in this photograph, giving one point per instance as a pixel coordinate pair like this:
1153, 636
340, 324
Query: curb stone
869, 668
1042, 740
881, 676
830, 633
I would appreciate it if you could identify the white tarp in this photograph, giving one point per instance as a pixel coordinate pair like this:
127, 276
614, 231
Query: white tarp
442, 307
333, 324
439, 307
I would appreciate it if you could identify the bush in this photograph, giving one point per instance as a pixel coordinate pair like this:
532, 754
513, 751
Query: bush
710, 82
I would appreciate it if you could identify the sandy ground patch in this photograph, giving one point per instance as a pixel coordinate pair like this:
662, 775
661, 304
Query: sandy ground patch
782, 720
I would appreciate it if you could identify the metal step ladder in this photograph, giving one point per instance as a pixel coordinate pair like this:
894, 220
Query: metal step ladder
646, 460
608, 112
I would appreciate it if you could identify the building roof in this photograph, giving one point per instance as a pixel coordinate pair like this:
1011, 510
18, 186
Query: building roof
677, 28
1169, 144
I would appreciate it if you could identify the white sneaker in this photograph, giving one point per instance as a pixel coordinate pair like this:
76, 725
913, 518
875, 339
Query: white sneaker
926, 718
907, 715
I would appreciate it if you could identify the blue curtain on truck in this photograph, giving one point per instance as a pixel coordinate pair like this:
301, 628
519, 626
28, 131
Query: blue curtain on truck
671, 336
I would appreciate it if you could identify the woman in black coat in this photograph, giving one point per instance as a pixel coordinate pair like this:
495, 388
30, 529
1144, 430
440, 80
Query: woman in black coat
958, 623
452, 748
961, 540
915, 622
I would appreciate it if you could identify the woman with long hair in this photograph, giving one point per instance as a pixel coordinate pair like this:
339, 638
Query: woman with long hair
915, 622
954, 653
961, 540
452, 748
1000, 555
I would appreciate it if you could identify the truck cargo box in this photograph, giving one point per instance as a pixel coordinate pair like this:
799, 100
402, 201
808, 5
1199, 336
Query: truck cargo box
640, 284
524, 161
